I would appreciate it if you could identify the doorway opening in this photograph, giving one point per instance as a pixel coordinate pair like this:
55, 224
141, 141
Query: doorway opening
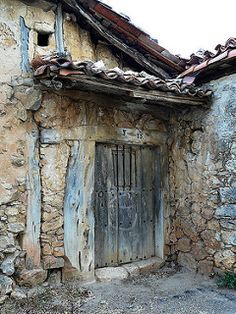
126, 203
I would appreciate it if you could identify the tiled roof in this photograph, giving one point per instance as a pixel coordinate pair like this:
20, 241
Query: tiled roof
121, 27
208, 60
62, 67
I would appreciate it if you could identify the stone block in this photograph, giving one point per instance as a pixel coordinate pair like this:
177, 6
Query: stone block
58, 251
213, 224
225, 258
51, 262
31, 278
3, 299
149, 265
229, 237
231, 165
225, 211
209, 238
109, 274
228, 195
184, 245
7, 266
52, 225
187, 260
16, 227
18, 294
228, 224
199, 251
6, 284
132, 269
205, 267
6, 242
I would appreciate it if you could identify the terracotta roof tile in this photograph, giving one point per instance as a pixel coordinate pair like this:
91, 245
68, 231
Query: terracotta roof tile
54, 66
124, 26
199, 64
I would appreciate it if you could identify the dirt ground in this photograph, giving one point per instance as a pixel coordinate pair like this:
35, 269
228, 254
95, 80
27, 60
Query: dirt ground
169, 290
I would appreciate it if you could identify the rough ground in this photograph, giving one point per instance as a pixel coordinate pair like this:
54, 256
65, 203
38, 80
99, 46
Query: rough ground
169, 290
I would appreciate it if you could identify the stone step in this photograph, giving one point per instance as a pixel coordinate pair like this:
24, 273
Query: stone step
123, 272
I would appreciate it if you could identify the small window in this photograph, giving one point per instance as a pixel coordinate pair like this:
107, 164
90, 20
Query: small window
43, 39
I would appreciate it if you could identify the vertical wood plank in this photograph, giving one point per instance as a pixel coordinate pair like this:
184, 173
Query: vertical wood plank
138, 164
101, 207
59, 29
129, 211
24, 46
78, 208
106, 205
120, 154
147, 199
112, 230
31, 239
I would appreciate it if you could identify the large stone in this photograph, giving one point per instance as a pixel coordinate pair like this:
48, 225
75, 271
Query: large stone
199, 251
187, 260
229, 237
189, 230
16, 227
209, 238
228, 224
225, 211
30, 98
207, 213
228, 195
213, 224
58, 251
18, 294
3, 298
6, 242
184, 245
231, 165
205, 267
12, 211
225, 258
5, 285
50, 262
199, 222
108, 274
52, 225
7, 266
31, 278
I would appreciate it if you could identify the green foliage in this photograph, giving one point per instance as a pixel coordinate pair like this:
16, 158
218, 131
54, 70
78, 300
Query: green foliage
228, 280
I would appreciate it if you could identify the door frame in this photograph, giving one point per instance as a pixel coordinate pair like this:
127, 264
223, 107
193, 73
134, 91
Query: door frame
79, 207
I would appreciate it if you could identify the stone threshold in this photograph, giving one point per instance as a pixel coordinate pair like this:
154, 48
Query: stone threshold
123, 272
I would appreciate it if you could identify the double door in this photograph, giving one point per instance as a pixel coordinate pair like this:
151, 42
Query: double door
125, 203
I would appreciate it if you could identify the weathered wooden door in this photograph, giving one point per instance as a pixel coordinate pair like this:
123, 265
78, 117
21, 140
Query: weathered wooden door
125, 201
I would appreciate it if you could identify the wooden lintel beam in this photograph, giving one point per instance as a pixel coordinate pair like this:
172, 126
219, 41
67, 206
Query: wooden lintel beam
131, 92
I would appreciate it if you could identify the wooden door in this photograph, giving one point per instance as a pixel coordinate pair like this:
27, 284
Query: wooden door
125, 201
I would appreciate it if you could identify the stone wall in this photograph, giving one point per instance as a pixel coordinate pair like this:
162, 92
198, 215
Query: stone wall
203, 183
64, 122
202, 152
22, 194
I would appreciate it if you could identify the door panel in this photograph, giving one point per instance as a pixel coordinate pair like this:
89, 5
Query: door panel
124, 203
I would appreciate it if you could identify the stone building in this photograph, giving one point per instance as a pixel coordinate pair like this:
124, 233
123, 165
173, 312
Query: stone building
112, 149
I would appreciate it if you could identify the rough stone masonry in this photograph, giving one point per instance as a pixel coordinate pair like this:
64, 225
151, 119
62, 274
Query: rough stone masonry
200, 200
202, 176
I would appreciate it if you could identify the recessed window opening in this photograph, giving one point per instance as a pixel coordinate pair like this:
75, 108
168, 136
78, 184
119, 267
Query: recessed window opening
43, 39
